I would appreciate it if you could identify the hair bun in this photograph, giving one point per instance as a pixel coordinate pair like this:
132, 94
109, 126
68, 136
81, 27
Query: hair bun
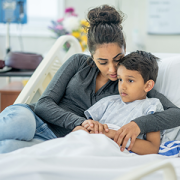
104, 15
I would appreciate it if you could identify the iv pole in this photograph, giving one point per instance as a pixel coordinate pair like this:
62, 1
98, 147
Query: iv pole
7, 38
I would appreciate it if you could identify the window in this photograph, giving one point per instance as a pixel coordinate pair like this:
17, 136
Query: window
39, 14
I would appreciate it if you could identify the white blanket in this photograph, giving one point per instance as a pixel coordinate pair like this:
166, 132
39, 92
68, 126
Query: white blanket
78, 156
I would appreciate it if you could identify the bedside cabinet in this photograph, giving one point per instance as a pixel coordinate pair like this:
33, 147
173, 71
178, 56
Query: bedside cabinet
9, 93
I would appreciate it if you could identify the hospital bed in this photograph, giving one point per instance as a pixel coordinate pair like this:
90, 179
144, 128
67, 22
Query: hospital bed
44, 161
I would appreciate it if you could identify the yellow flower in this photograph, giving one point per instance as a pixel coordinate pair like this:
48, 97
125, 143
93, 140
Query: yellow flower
84, 38
80, 34
76, 34
84, 23
83, 30
84, 26
82, 46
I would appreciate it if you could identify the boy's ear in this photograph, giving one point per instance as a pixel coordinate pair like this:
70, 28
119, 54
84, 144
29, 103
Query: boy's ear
149, 85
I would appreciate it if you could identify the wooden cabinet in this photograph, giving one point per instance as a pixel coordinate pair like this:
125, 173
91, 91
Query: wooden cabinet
9, 93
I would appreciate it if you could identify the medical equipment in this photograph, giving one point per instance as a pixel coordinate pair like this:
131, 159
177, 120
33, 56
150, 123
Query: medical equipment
12, 11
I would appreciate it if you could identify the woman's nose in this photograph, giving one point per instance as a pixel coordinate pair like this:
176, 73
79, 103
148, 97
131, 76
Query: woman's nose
112, 68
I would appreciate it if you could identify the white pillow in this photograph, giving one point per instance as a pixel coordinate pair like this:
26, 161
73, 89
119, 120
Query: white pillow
168, 80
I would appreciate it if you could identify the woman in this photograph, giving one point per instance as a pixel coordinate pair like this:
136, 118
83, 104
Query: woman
78, 84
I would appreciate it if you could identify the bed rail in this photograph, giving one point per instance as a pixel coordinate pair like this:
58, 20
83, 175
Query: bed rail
167, 168
47, 69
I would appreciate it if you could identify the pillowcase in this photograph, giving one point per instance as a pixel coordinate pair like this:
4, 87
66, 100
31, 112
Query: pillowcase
168, 80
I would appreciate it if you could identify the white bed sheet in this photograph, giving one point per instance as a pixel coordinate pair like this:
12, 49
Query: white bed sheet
77, 156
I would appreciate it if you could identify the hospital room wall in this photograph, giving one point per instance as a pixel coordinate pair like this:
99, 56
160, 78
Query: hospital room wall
135, 29
135, 25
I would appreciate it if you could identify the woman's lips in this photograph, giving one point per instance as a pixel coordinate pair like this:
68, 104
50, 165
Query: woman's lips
113, 75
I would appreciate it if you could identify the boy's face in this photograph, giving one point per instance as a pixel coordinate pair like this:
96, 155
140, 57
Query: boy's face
131, 85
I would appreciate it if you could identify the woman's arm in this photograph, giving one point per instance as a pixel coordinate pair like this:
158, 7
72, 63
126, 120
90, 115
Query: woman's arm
169, 118
47, 106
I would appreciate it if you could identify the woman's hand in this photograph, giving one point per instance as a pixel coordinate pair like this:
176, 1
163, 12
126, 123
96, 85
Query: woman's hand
126, 132
80, 128
95, 126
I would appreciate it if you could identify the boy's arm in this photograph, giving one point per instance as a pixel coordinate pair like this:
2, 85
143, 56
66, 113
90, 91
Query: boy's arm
148, 146
111, 133
132, 129
141, 147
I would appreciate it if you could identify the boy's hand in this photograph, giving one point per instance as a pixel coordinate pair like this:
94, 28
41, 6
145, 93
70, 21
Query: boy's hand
95, 126
110, 134
130, 130
80, 128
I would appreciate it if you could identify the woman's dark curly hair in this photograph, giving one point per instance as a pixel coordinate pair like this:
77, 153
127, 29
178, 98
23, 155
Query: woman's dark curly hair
104, 27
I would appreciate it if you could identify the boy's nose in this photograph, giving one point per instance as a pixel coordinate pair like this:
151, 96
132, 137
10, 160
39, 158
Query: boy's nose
123, 85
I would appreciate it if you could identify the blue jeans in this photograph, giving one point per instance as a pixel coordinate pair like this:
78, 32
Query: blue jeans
21, 127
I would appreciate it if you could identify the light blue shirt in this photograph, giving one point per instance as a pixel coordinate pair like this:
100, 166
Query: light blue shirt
112, 110
115, 113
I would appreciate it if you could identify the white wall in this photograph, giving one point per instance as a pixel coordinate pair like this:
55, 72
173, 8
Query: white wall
32, 44
82, 6
135, 25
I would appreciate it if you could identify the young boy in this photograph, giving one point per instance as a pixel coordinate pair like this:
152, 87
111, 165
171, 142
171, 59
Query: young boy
137, 74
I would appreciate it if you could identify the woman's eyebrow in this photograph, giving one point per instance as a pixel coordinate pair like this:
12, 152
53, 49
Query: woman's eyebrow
102, 59
117, 55
107, 59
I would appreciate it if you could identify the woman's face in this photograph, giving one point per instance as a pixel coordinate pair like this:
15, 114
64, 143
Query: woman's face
106, 58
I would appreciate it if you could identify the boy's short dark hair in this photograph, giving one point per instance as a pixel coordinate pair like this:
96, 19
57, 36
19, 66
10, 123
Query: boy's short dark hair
143, 62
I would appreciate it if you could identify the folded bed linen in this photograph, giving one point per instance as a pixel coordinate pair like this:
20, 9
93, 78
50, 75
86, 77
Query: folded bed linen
170, 148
